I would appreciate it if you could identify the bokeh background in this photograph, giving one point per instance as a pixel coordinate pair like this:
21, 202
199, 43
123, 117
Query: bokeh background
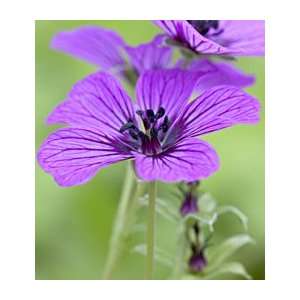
73, 225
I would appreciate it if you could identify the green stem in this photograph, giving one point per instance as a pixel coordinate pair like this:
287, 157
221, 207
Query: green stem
150, 231
120, 221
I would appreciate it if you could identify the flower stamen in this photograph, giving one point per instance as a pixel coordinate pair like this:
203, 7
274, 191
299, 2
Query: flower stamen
152, 134
204, 26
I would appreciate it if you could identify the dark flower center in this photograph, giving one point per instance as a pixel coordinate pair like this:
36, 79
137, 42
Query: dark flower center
148, 140
204, 26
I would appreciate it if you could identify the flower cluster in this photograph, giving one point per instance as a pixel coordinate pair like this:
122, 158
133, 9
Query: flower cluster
158, 132
178, 98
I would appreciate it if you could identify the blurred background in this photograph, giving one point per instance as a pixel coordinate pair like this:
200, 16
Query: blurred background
73, 225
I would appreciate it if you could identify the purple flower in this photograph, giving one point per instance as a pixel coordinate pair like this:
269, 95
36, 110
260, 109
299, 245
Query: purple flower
158, 132
189, 204
235, 38
107, 50
197, 261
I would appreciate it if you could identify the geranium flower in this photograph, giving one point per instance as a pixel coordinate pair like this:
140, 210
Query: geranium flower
158, 132
224, 37
108, 51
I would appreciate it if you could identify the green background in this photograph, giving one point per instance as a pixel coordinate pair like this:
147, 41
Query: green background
73, 225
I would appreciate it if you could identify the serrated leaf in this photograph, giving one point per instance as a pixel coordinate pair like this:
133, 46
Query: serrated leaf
234, 268
207, 203
159, 255
235, 211
227, 249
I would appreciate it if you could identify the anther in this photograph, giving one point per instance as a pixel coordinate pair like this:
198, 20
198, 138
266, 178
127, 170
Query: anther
165, 125
203, 26
150, 115
161, 111
134, 133
127, 126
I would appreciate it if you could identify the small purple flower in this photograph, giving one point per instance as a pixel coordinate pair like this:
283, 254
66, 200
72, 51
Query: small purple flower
224, 37
158, 132
190, 201
189, 204
107, 50
197, 261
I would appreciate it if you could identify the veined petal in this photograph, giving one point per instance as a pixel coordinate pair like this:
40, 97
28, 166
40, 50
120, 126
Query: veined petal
220, 73
185, 33
188, 160
215, 109
73, 156
241, 38
150, 56
99, 102
169, 89
98, 46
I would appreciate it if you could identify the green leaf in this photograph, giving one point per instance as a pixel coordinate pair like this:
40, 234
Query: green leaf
159, 255
227, 249
235, 211
204, 219
234, 268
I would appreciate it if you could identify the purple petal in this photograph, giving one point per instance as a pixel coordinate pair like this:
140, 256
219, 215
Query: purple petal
98, 46
99, 102
150, 56
188, 160
185, 33
218, 108
246, 37
73, 156
240, 38
169, 89
220, 73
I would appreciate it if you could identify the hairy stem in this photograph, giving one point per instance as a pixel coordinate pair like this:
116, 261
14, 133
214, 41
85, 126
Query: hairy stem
150, 231
115, 245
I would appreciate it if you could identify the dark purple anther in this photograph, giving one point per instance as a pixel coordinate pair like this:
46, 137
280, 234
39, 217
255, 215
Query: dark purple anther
150, 138
204, 26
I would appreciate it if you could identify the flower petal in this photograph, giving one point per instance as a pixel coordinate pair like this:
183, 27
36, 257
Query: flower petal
245, 37
220, 73
185, 33
73, 156
240, 38
217, 108
189, 160
169, 89
99, 102
98, 46
150, 56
